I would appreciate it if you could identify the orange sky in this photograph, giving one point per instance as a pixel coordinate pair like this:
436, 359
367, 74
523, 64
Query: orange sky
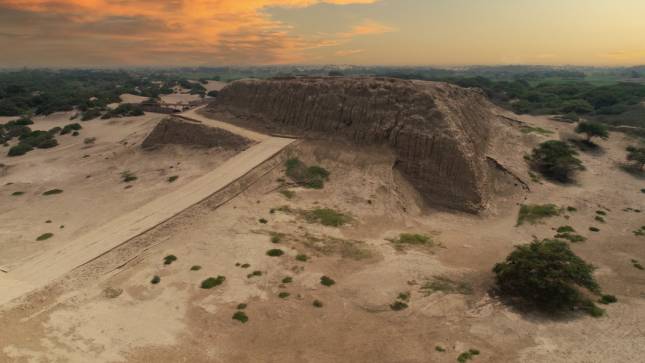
218, 32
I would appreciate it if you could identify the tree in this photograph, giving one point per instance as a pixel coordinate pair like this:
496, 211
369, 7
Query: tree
636, 154
548, 275
592, 129
556, 159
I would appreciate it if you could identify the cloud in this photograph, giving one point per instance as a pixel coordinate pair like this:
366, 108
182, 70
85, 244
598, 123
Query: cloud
160, 32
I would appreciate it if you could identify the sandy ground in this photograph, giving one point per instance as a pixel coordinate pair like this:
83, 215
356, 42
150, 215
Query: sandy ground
90, 177
112, 313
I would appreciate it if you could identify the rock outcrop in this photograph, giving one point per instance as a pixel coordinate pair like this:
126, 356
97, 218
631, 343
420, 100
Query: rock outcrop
176, 131
440, 132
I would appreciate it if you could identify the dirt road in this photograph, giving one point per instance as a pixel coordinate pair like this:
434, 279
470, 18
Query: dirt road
46, 267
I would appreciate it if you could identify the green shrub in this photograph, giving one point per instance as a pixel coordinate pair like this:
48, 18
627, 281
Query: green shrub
327, 281
169, 259
287, 280
327, 217
263, 221
283, 295
637, 155
468, 355
571, 209
556, 160
241, 306
398, 306
547, 274
254, 274
240, 316
302, 257
317, 304
594, 229
196, 268
312, 177
439, 348
17, 194
91, 114
608, 299
45, 236
212, 282
601, 212
565, 229
288, 193
276, 252
599, 219
533, 213
276, 237
69, 128
592, 129
53, 192
412, 239
173, 178
20, 149
155, 280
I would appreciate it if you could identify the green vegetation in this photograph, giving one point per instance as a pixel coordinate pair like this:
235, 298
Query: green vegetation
445, 285
263, 221
608, 299
69, 128
637, 155
317, 304
548, 275
398, 306
288, 193
327, 217
240, 316
355, 250
571, 209
637, 265
173, 178
155, 280
241, 306
302, 257
599, 219
283, 295
287, 280
19, 150
196, 268
312, 177
45, 236
127, 176
124, 110
594, 229
17, 194
467, 355
276, 252
327, 281
439, 348
53, 192
533, 213
538, 130
255, 273
212, 282
556, 160
276, 237
412, 239
169, 259
592, 129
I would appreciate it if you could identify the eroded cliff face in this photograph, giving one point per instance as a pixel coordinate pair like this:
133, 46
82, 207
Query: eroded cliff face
176, 131
440, 132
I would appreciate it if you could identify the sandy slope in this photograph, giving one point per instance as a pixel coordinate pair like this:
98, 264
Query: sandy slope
176, 321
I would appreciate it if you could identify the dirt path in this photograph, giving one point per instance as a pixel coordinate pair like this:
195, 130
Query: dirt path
48, 266
193, 115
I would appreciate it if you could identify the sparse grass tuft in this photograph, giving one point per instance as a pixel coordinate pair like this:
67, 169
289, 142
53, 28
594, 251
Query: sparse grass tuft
327, 217
312, 177
173, 178
276, 252
637, 265
53, 192
439, 348
288, 193
16, 194
276, 237
287, 280
533, 213
326, 245
127, 176
263, 221
45, 236
412, 239
196, 268
169, 259
571, 209
594, 229
283, 295
155, 280
317, 304
327, 281
445, 285
240, 316
302, 258
254, 274
212, 282
600, 219
601, 212
241, 306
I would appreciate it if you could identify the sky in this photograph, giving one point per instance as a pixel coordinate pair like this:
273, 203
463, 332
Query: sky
108, 33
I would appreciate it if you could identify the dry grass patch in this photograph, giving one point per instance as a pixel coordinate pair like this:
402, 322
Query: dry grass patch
445, 285
351, 249
534, 213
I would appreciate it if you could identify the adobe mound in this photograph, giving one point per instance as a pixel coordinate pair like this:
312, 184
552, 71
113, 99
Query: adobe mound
439, 132
176, 131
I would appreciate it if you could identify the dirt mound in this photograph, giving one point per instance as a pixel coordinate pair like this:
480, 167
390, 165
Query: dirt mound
440, 133
176, 131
